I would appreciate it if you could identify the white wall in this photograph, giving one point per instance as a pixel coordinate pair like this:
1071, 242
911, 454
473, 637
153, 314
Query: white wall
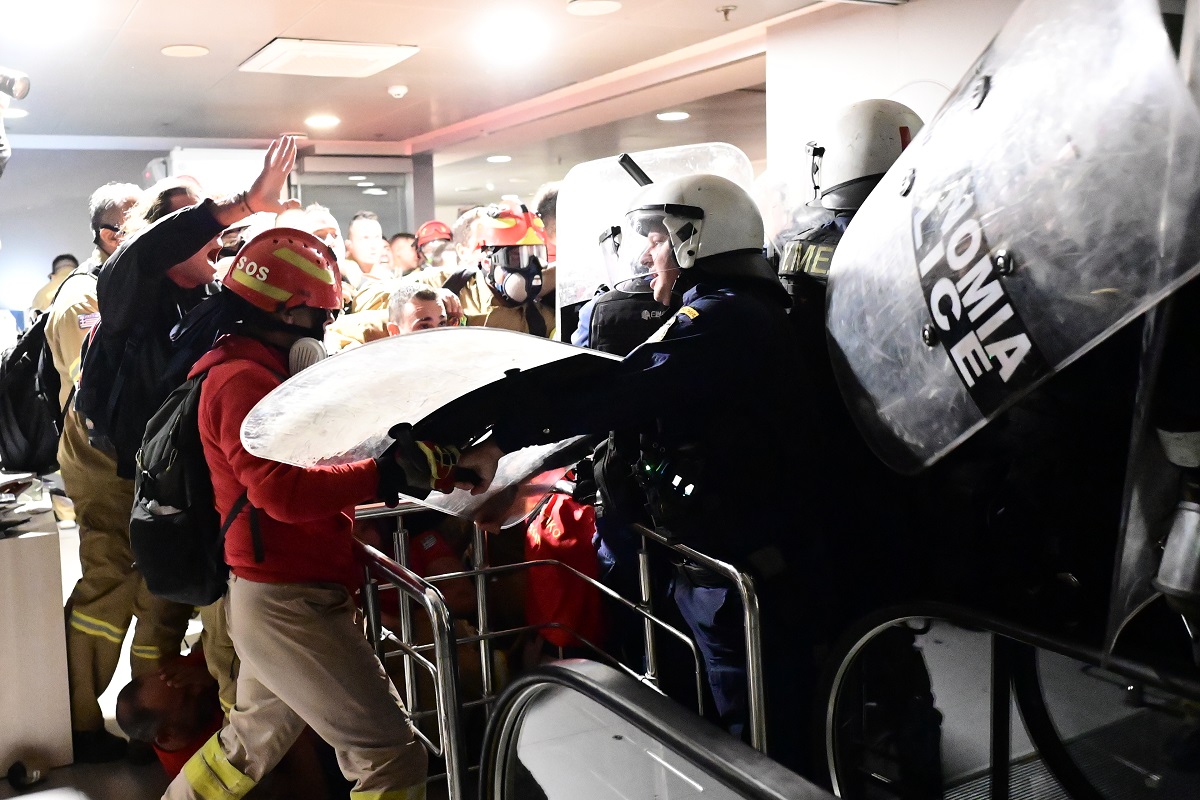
44, 211
914, 54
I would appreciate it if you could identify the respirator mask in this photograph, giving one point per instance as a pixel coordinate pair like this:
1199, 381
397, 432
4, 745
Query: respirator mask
516, 272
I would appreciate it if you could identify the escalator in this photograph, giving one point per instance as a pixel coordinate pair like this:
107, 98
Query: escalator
578, 730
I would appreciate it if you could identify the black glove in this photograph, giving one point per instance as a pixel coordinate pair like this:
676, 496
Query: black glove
414, 468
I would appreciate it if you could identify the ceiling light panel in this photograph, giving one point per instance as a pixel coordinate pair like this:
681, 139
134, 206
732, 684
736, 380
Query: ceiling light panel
326, 59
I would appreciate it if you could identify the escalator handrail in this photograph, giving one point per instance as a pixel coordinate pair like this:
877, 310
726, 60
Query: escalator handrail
964, 616
738, 766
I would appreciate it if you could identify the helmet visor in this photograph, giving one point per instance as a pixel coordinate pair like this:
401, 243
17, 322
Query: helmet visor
516, 259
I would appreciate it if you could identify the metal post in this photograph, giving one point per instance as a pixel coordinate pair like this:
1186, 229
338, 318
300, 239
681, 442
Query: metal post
406, 624
479, 561
650, 665
371, 607
1002, 671
751, 619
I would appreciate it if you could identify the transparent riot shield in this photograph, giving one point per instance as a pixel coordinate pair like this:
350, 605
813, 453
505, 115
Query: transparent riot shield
451, 384
1049, 202
595, 195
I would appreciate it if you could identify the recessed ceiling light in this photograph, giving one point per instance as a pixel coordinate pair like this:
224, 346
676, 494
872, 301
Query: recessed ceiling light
184, 50
491, 187
375, 191
466, 189
15, 113
510, 197
673, 116
358, 177
322, 121
518, 180
499, 159
326, 59
398, 91
592, 8
365, 184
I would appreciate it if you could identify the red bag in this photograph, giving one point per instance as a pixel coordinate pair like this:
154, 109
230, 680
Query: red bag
563, 531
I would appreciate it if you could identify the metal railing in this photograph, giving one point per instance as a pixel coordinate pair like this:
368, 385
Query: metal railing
444, 669
751, 620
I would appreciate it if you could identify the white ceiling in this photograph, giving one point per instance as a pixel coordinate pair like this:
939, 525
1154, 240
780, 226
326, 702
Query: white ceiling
588, 87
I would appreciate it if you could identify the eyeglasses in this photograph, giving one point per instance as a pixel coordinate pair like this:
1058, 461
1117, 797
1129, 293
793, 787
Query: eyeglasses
113, 228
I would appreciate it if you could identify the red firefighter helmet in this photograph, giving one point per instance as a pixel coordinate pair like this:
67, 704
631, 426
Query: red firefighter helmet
286, 268
433, 231
508, 227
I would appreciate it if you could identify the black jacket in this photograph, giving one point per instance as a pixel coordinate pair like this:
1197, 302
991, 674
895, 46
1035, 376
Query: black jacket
138, 366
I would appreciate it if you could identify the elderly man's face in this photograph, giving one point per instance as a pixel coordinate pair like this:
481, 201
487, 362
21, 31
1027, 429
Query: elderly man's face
326, 228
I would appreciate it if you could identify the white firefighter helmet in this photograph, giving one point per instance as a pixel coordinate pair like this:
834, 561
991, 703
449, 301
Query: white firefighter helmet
864, 140
704, 215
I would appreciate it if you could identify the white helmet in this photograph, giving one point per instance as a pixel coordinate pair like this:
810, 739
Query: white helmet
704, 215
865, 139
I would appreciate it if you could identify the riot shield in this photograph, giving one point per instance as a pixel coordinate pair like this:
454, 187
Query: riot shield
451, 384
596, 194
1049, 202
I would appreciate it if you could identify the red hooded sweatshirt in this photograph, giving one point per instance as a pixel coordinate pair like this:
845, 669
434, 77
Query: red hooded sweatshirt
305, 516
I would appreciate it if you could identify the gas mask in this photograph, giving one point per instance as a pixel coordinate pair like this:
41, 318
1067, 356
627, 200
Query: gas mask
304, 353
516, 272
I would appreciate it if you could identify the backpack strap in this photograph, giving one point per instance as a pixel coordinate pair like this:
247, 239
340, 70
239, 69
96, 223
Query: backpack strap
256, 540
255, 533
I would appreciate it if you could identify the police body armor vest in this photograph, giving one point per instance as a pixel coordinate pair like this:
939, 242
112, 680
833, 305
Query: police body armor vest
623, 320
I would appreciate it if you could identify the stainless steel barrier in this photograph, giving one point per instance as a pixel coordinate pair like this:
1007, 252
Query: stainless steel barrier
445, 668
751, 618
423, 590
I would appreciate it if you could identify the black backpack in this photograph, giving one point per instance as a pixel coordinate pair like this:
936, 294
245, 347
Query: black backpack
30, 417
178, 541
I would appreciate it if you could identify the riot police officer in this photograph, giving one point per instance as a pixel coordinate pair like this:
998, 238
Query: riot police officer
711, 401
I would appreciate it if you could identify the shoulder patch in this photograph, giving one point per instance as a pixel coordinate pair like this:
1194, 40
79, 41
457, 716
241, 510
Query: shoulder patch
88, 321
428, 541
689, 312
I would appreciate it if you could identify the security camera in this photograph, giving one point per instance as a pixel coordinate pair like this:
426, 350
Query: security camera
14, 84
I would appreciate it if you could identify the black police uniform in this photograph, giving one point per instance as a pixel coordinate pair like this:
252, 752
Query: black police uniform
716, 402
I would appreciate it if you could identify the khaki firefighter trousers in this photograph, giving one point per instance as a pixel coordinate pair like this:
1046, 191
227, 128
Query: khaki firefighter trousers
111, 591
304, 660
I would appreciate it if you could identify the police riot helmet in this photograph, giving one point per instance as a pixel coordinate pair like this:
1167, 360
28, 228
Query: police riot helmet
864, 140
703, 215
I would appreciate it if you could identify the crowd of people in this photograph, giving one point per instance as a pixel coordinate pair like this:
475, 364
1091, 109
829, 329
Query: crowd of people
248, 289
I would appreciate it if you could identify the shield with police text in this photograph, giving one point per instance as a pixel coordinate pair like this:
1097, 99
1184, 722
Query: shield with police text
451, 384
1049, 202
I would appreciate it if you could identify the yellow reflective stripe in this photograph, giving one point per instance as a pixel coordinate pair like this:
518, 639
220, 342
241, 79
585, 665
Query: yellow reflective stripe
411, 793
302, 263
212, 776
145, 651
97, 627
226, 706
689, 312
254, 284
